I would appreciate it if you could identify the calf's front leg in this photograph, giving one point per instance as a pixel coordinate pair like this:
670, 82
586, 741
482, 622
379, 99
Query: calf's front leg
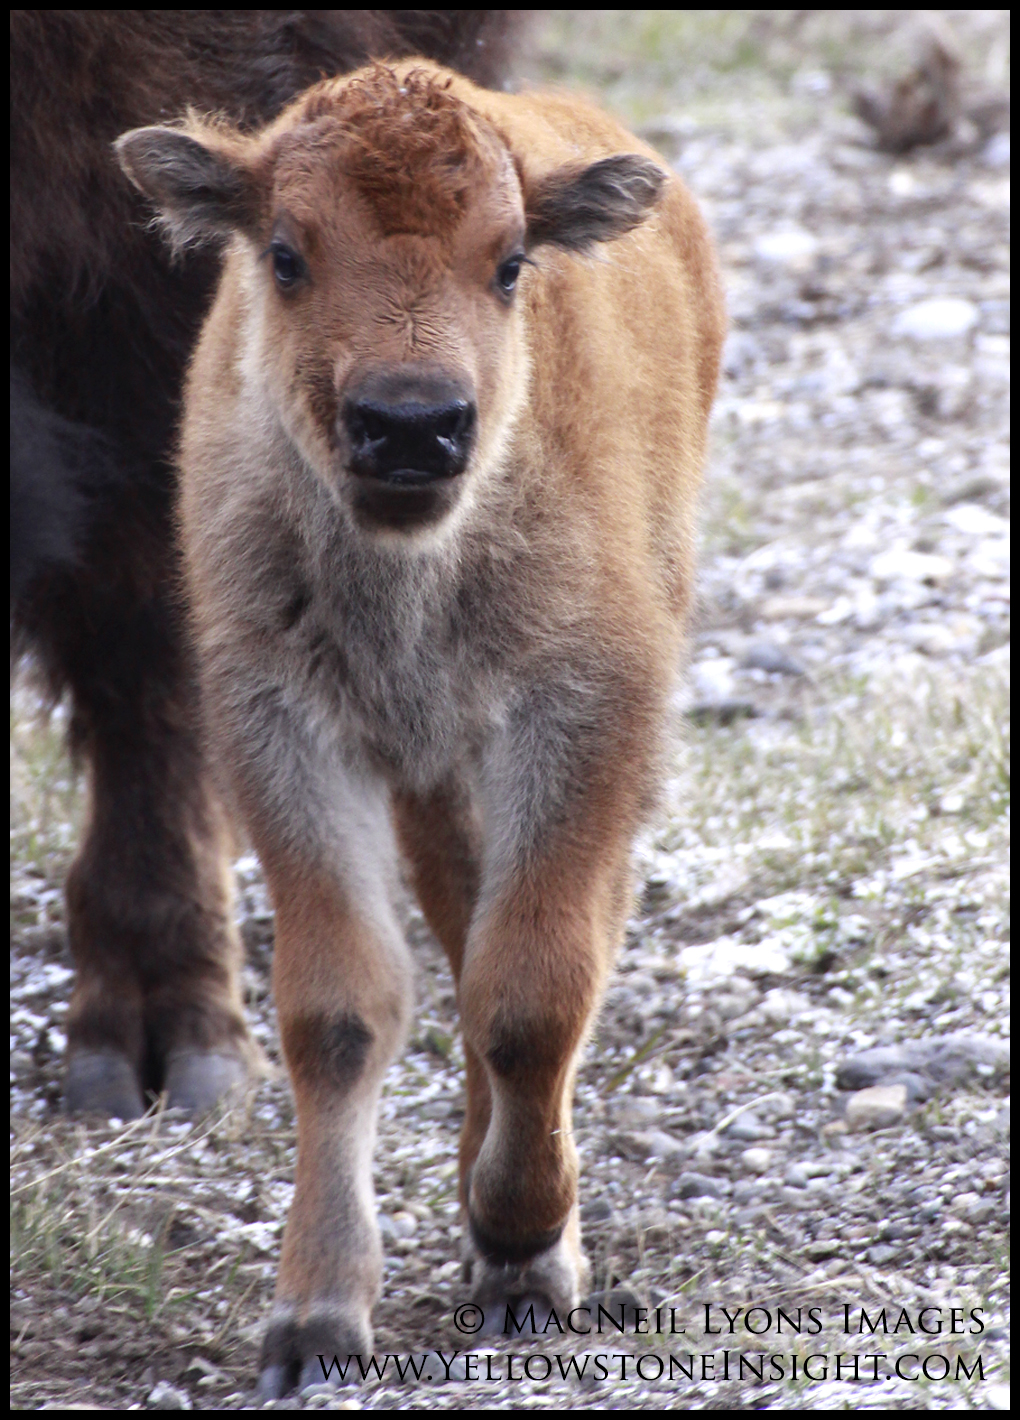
342, 985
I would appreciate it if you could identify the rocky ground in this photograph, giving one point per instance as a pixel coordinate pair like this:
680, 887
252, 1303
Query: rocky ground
796, 1100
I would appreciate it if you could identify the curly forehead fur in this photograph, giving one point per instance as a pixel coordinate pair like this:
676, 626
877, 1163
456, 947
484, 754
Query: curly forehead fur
414, 150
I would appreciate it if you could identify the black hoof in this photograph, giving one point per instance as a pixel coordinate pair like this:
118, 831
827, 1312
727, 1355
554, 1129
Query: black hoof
198, 1079
324, 1350
274, 1383
102, 1082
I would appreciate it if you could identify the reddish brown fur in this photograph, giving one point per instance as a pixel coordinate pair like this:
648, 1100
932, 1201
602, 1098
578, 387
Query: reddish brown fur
492, 680
408, 147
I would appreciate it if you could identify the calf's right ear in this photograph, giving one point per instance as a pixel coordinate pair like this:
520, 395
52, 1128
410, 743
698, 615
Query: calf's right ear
201, 192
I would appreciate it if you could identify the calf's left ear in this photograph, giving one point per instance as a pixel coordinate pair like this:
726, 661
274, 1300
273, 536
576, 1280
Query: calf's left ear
574, 208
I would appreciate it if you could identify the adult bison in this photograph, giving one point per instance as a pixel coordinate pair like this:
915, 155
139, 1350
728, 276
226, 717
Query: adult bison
443, 436
102, 323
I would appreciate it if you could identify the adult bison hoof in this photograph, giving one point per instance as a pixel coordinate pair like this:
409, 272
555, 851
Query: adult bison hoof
198, 1079
323, 1349
102, 1082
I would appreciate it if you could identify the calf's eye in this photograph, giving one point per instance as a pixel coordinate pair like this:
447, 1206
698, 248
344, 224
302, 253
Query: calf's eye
506, 276
288, 268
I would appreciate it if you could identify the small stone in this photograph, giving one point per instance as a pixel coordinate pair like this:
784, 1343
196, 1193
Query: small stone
822, 1249
756, 1160
818, 1168
919, 1088
405, 1224
971, 518
318, 1391
597, 1211
713, 679
650, 1144
796, 1197
199, 1370
634, 1111
882, 1254
765, 656
905, 565
794, 248
876, 1108
956, 1057
792, 608
930, 637
796, 1176
950, 1060
779, 1005
746, 1191
868, 1067
973, 1207
164, 1396
941, 318
698, 1185
747, 1127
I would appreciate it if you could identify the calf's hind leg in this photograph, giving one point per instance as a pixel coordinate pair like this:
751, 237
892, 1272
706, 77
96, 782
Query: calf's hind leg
530, 952
535, 966
441, 839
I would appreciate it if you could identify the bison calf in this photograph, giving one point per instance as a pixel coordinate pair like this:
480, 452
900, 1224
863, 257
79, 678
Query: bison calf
440, 454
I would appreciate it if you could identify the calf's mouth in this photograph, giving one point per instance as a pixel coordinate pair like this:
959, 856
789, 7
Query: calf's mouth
410, 436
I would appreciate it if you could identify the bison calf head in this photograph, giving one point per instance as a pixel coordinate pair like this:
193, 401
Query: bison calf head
378, 232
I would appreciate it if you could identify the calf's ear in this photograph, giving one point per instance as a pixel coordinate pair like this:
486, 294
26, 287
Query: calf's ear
574, 207
201, 191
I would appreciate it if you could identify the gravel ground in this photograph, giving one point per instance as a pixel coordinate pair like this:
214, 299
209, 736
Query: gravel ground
794, 1114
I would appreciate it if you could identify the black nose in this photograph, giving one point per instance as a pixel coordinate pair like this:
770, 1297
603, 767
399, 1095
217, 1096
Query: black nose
409, 441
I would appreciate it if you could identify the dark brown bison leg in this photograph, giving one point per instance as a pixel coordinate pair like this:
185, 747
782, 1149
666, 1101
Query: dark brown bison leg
343, 995
156, 1003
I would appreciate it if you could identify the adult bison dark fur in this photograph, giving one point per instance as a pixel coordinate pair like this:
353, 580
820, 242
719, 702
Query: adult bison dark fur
102, 324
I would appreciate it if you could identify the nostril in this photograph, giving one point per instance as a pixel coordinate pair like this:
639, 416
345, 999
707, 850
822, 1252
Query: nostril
452, 423
365, 425
375, 424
